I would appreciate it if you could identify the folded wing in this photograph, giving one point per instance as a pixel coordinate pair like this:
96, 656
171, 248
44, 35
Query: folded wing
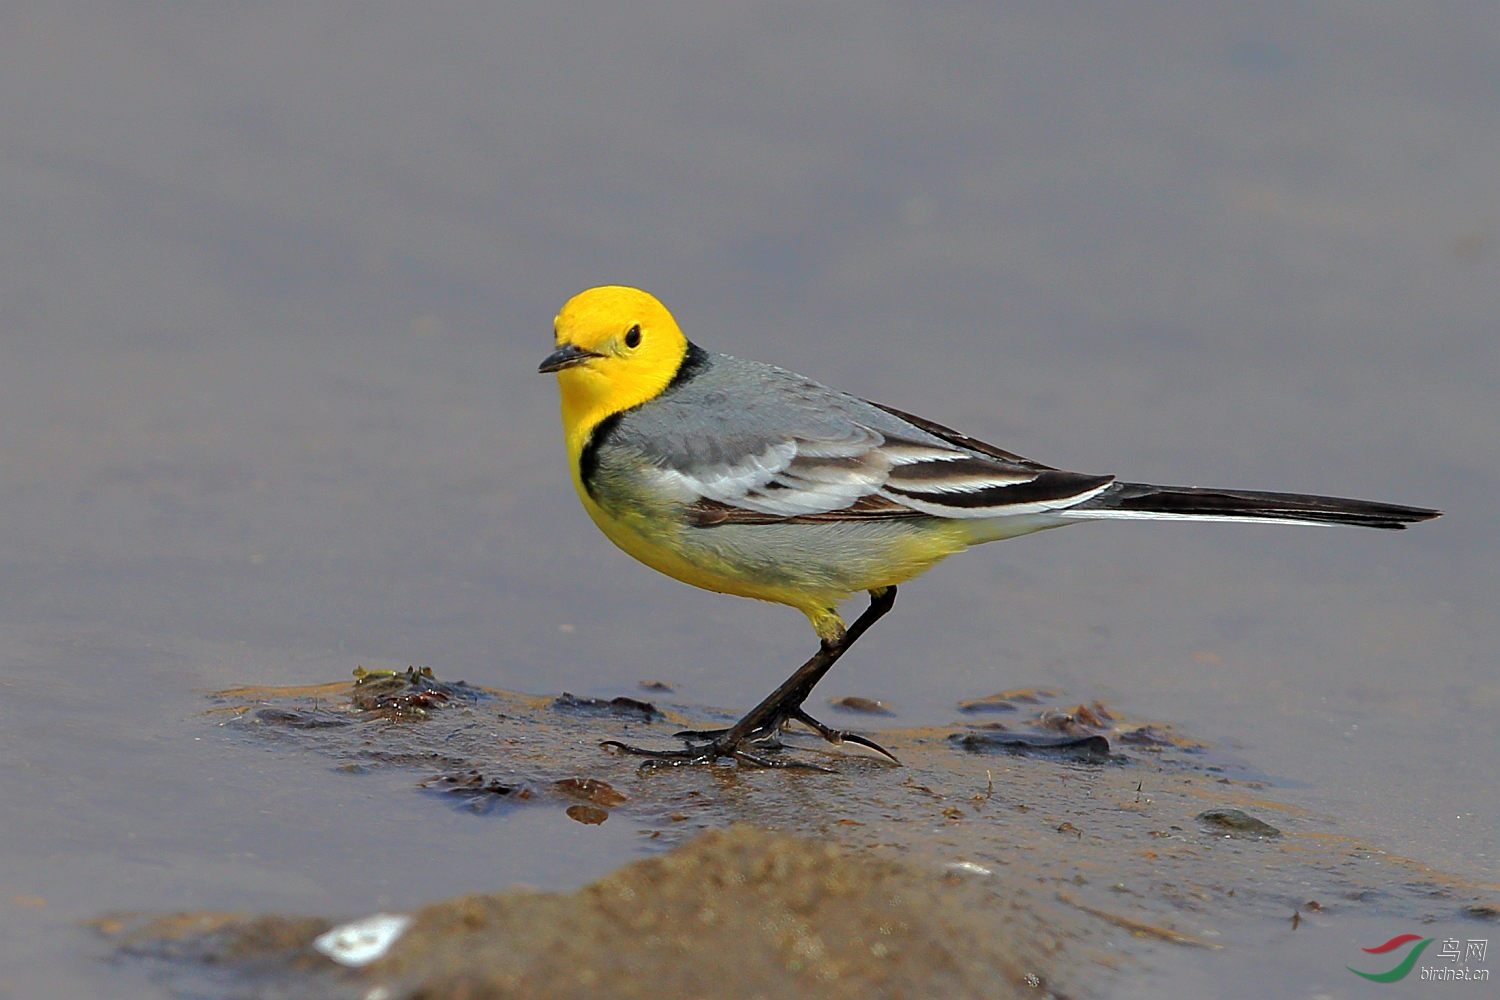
866, 473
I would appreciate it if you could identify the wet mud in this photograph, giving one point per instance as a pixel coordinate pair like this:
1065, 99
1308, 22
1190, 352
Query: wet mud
1031, 848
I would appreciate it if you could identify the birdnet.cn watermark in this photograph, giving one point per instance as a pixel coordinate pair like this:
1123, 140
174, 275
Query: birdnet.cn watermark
1457, 960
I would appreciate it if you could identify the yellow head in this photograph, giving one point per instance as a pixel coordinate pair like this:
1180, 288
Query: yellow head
616, 348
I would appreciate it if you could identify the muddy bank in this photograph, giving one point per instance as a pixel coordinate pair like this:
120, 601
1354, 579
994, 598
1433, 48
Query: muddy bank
735, 913
1033, 846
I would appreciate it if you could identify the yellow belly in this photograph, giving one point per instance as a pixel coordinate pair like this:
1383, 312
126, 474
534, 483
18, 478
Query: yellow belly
810, 566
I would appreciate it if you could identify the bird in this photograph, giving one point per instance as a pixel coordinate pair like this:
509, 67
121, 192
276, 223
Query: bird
748, 479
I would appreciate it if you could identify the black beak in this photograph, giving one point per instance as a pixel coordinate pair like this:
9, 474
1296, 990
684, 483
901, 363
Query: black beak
566, 356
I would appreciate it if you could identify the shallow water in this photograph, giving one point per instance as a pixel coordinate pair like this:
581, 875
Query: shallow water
275, 286
1141, 863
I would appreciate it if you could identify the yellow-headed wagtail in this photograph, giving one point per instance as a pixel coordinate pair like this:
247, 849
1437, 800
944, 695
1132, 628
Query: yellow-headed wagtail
747, 479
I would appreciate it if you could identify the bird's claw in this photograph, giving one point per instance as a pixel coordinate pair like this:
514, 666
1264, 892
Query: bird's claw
840, 736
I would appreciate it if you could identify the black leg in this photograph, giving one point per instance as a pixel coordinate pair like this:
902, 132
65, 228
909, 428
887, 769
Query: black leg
765, 720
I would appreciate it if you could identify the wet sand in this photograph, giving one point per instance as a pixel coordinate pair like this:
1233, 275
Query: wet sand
735, 913
980, 867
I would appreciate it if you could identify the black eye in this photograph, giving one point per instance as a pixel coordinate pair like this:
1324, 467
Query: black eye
633, 336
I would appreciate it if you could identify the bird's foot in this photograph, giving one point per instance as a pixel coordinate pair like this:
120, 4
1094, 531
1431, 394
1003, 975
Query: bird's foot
704, 746
707, 753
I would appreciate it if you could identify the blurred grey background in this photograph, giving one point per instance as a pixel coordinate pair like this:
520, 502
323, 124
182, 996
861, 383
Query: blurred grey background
275, 278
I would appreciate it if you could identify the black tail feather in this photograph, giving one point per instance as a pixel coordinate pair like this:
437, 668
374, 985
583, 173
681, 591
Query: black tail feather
1143, 500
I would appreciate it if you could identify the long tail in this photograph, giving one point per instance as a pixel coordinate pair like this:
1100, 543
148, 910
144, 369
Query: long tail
1146, 502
